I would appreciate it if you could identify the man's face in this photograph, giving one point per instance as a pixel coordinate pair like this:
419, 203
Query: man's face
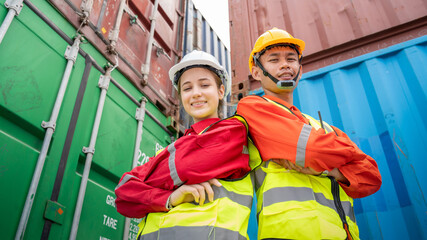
282, 63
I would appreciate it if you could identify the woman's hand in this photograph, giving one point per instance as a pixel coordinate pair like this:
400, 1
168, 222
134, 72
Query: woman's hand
194, 192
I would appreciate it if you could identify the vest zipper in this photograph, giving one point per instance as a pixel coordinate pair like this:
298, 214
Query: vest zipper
335, 189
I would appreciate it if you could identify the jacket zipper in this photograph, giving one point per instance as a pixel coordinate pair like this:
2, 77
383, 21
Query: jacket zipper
335, 189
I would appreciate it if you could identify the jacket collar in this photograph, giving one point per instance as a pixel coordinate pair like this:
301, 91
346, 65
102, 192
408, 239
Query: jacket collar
294, 109
200, 126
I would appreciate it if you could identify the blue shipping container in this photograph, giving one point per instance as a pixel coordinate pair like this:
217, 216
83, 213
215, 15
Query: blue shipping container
380, 101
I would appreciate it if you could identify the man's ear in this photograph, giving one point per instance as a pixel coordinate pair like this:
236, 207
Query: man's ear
256, 73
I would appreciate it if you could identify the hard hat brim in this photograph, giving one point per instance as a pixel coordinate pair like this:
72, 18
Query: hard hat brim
298, 42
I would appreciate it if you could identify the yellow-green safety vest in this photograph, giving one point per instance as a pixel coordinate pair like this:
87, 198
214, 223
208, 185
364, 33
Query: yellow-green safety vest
293, 205
225, 218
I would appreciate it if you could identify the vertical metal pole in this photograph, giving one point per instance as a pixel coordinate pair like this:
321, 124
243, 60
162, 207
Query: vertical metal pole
146, 66
139, 115
103, 83
114, 33
15, 7
71, 56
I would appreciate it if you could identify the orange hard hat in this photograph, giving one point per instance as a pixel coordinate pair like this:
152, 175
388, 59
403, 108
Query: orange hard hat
273, 37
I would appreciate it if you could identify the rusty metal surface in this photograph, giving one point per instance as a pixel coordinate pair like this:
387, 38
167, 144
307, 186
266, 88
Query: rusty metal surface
133, 40
334, 30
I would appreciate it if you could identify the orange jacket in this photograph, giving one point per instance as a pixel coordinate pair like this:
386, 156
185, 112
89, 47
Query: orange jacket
275, 132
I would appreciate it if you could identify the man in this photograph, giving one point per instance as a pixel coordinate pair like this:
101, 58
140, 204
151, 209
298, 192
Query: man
311, 170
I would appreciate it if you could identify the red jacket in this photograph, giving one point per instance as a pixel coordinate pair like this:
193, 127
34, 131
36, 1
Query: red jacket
275, 131
220, 152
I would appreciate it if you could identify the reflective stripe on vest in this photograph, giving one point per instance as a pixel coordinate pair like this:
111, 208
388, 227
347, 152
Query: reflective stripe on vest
200, 232
301, 194
225, 218
290, 202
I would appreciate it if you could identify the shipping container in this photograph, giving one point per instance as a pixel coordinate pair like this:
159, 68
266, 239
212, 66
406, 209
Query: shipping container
333, 30
34, 72
85, 96
379, 99
199, 35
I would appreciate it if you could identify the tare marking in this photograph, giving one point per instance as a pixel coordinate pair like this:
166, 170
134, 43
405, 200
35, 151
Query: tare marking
110, 222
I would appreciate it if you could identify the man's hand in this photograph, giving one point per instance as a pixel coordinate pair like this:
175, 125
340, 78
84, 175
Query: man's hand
194, 192
338, 176
292, 166
308, 170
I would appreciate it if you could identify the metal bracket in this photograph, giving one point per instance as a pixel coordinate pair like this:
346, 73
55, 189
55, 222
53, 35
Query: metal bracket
15, 5
113, 35
86, 7
133, 19
144, 69
104, 82
160, 50
72, 51
88, 150
140, 112
48, 125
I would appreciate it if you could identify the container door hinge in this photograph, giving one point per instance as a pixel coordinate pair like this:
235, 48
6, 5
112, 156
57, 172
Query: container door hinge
15, 5
88, 150
54, 212
139, 115
72, 51
104, 82
145, 69
48, 125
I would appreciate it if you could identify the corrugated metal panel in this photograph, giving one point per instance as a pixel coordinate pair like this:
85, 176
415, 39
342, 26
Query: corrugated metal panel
334, 30
327, 23
199, 35
32, 65
379, 100
133, 30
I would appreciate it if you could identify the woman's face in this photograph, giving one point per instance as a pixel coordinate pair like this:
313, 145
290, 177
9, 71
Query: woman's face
200, 94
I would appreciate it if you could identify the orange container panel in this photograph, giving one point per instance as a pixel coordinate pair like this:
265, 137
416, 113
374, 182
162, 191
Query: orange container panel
334, 30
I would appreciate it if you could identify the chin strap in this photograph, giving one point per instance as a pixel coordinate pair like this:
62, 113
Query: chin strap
282, 84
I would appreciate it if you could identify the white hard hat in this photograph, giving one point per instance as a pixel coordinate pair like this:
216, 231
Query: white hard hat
199, 59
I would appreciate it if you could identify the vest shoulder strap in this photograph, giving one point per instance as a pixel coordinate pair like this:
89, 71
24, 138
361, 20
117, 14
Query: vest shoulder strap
255, 159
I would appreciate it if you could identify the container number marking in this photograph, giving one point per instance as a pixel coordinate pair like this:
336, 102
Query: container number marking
143, 157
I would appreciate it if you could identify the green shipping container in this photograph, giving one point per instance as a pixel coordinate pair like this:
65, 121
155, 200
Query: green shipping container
32, 66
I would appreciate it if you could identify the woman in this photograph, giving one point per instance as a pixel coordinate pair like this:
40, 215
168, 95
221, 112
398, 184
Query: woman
210, 149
